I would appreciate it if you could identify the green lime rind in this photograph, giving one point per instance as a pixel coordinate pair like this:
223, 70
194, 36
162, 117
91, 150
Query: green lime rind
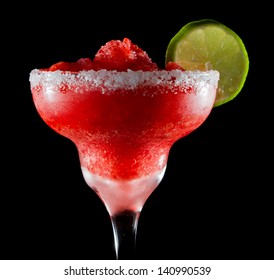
208, 44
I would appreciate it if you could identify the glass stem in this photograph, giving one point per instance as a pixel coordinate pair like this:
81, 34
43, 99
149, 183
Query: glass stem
124, 226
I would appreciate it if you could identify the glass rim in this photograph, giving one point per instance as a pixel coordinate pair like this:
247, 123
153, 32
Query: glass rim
123, 79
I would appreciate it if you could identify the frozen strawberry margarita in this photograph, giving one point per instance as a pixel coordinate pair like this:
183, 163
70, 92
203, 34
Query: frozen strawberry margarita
123, 113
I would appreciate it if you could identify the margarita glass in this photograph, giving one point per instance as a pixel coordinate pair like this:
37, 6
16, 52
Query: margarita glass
123, 124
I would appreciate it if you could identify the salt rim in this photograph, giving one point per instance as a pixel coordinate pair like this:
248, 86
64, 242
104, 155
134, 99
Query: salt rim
114, 80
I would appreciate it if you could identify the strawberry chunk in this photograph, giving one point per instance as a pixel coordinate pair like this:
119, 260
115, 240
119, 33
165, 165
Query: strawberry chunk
81, 64
173, 66
123, 55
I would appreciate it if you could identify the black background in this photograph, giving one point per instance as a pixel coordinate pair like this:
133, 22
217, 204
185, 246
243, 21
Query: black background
215, 200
